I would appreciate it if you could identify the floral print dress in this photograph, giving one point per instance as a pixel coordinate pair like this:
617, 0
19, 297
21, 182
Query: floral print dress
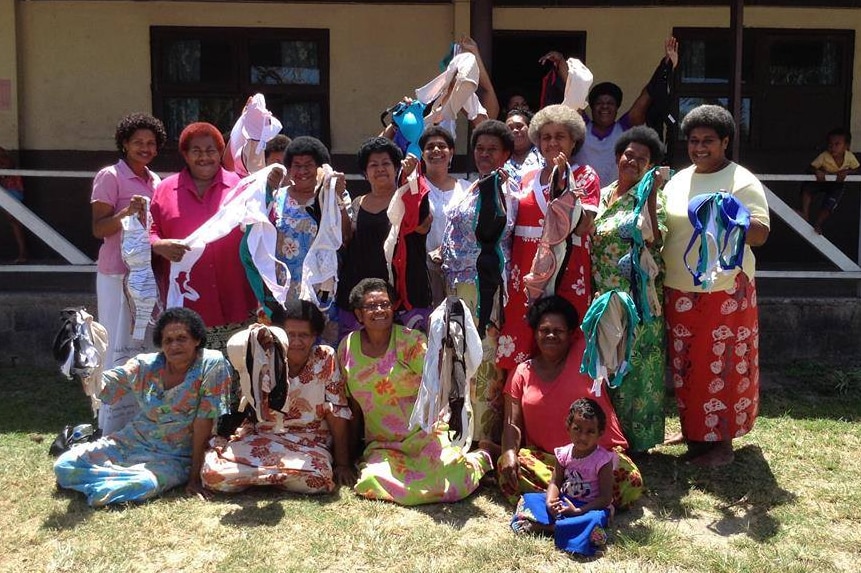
288, 450
639, 400
408, 467
152, 453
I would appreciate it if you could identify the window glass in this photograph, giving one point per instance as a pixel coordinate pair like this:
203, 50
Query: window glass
300, 118
198, 61
284, 63
180, 111
809, 62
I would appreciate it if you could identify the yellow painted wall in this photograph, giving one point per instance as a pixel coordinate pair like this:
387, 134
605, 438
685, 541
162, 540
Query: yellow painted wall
85, 64
624, 45
8, 72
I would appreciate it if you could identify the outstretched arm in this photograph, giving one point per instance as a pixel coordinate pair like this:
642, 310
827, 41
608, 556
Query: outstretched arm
486, 93
637, 113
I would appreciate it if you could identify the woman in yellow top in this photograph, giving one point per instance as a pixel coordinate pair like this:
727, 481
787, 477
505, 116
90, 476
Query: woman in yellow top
713, 334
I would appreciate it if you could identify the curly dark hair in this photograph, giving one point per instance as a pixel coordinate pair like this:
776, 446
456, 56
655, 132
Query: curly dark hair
588, 409
378, 145
307, 145
605, 88
840, 132
524, 113
192, 321
299, 310
552, 304
494, 128
436, 131
643, 135
709, 116
357, 295
135, 121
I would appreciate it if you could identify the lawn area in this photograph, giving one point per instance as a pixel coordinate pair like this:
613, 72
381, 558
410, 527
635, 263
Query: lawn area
789, 503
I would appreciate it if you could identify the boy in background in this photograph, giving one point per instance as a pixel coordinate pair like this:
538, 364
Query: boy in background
837, 160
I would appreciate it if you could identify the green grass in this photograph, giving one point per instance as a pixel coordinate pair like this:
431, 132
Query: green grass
789, 503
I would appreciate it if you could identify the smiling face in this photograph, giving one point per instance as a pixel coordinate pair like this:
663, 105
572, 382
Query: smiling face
376, 312
604, 110
141, 148
520, 130
634, 162
584, 434
303, 173
436, 152
178, 345
380, 171
489, 154
552, 337
554, 138
707, 150
202, 157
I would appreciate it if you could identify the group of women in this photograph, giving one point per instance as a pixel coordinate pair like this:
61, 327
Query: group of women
526, 247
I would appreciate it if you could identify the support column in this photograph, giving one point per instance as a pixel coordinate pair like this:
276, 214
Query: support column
736, 26
9, 128
481, 26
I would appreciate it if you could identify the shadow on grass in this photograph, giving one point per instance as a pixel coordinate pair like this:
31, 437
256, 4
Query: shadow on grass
746, 489
40, 401
264, 506
811, 391
456, 515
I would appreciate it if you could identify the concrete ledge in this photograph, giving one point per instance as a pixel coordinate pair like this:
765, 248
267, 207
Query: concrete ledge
827, 330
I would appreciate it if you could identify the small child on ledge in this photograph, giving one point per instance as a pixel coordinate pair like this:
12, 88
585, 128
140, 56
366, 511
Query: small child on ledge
838, 161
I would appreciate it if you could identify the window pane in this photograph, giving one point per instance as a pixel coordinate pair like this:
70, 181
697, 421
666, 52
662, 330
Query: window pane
686, 104
804, 63
179, 112
709, 60
284, 63
301, 118
198, 61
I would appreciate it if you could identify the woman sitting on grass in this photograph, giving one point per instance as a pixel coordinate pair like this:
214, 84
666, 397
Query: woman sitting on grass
180, 391
382, 368
578, 502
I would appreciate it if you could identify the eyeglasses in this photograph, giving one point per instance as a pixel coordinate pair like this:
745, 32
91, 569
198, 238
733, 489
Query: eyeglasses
383, 305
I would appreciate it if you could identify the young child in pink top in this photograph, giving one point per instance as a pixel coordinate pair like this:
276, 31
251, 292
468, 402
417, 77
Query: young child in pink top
578, 502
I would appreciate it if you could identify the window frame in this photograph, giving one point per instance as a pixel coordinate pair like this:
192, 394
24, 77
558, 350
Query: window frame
239, 88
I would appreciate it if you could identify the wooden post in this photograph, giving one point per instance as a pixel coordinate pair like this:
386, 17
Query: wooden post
736, 17
481, 28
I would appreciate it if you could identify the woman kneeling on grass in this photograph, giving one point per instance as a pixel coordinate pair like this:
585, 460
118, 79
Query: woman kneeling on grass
180, 391
382, 368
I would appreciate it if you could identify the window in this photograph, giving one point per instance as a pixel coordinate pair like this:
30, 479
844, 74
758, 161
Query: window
206, 74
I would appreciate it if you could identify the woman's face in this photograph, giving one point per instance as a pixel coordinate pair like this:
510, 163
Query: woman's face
202, 157
380, 171
634, 162
178, 344
436, 153
604, 110
300, 339
552, 336
303, 173
707, 150
520, 130
141, 147
376, 312
489, 154
554, 138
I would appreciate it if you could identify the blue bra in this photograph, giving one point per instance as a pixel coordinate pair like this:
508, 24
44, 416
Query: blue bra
592, 363
720, 221
409, 119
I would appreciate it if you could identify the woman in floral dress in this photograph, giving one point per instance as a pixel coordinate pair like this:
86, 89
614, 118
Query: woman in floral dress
180, 391
556, 130
297, 216
382, 367
291, 450
639, 400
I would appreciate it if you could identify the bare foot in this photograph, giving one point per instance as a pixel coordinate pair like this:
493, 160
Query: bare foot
718, 456
674, 439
